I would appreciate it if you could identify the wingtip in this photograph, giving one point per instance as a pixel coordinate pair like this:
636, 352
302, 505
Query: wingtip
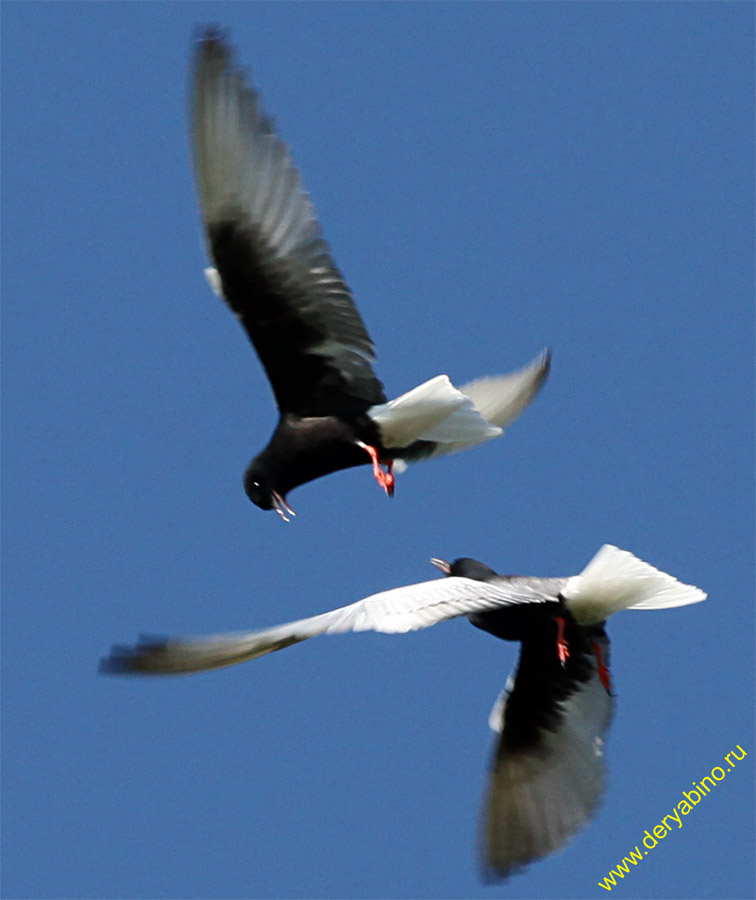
491, 875
214, 53
212, 38
126, 659
541, 365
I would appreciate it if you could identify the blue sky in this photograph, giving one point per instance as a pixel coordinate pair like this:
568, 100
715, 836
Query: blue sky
493, 179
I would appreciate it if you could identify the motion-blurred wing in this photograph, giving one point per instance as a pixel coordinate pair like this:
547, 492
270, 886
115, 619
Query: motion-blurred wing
498, 399
403, 609
547, 772
273, 267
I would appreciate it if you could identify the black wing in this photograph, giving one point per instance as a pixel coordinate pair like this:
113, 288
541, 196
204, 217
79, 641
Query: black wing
548, 772
274, 268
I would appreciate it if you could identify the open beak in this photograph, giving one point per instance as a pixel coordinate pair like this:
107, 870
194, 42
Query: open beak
282, 507
441, 564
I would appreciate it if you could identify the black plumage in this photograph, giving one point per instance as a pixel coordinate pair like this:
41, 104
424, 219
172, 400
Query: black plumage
275, 271
547, 771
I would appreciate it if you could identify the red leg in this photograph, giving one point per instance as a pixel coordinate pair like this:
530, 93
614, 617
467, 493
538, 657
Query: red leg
563, 648
385, 479
603, 671
389, 478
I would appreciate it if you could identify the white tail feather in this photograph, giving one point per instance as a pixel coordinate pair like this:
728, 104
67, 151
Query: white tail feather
464, 424
501, 398
493, 403
436, 408
615, 579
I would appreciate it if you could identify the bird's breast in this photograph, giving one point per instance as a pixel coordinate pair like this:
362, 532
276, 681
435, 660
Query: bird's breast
305, 448
520, 622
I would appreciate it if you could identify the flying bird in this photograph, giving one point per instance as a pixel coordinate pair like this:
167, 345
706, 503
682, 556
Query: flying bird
275, 271
547, 772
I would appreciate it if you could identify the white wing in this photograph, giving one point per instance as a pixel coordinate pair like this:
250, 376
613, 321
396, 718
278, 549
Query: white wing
433, 411
501, 398
396, 611
497, 400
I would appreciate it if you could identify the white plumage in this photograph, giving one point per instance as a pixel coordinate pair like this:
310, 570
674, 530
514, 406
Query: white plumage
458, 418
613, 580
547, 772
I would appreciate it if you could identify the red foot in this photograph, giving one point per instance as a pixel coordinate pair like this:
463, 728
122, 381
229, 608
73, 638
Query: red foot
385, 479
603, 671
563, 648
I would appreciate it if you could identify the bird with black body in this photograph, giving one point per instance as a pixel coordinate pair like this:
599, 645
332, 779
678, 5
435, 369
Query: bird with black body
547, 772
273, 268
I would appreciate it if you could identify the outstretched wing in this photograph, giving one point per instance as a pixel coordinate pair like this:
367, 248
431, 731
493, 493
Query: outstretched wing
547, 773
272, 266
402, 609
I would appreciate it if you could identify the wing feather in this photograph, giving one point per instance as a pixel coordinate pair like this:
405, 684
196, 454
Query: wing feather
548, 771
496, 400
395, 611
274, 268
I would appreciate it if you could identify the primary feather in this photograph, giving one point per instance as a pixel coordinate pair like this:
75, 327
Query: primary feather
613, 580
274, 269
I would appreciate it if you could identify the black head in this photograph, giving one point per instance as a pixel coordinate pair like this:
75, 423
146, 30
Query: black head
257, 488
466, 568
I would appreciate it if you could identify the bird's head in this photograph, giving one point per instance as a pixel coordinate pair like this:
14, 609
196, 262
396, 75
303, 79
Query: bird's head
257, 491
465, 568
260, 491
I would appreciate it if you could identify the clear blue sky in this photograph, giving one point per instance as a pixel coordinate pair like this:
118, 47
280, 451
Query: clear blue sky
493, 179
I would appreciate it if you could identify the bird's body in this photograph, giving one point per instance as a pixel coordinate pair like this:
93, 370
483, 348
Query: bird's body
305, 448
547, 771
275, 271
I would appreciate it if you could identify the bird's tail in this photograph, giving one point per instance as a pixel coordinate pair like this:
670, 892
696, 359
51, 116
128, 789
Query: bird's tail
615, 579
433, 411
452, 418
501, 398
